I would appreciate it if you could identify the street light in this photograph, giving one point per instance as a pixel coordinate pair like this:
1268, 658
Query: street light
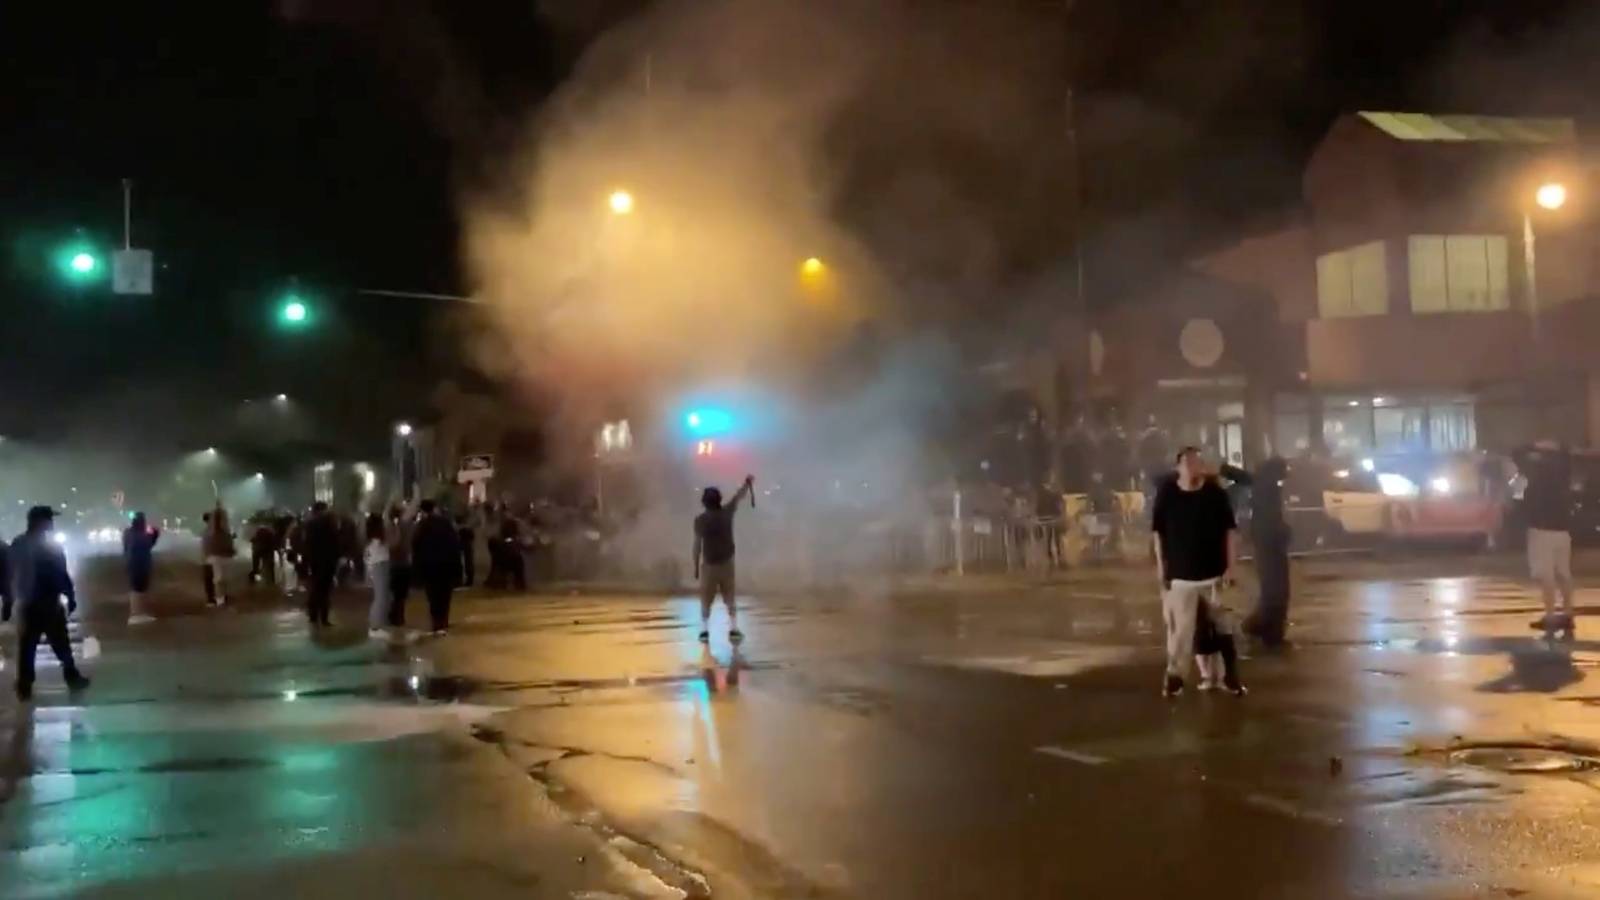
403, 429
812, 266
1552, 195
83, 263
294, 312
621, 202
282, 398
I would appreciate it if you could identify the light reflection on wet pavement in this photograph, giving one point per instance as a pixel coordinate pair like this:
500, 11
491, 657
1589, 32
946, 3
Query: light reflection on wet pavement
1419, 740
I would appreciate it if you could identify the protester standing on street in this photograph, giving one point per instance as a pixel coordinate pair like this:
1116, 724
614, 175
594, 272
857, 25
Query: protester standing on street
354, 562
376, 556
295, 574
713, 556
1547, 502
1195, 538
437, 557
263, 551
322, 563
399, 535
39, 581
1270, 535
138, 551
468, 536
217, 545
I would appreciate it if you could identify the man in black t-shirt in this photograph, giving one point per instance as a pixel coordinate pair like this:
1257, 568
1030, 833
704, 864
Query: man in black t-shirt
713, 555
1196, 544
1547, 502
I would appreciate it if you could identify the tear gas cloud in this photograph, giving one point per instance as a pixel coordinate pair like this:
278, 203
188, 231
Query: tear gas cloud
725, 192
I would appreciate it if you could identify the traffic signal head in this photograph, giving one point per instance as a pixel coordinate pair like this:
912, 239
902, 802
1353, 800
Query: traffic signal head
293, 312
708, 421
78, 262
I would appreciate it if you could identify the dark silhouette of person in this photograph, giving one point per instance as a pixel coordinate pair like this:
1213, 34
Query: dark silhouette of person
323, 550
436, 554
40, 580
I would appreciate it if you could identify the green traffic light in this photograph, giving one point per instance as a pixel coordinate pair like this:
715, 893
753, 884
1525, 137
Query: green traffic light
293, 313
78, 262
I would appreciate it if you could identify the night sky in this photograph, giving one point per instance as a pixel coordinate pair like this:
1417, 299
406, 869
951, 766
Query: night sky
327, 142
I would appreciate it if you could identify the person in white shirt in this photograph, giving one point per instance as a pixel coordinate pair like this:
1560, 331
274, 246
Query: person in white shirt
376, 557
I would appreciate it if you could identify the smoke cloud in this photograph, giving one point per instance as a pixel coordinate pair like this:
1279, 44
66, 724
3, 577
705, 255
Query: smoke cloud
822, 203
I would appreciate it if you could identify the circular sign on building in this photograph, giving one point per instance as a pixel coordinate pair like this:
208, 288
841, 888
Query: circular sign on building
1201, 343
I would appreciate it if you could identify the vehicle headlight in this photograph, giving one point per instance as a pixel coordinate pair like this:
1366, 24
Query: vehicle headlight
1394, 485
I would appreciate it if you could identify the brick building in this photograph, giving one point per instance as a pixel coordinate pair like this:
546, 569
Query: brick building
1437, 293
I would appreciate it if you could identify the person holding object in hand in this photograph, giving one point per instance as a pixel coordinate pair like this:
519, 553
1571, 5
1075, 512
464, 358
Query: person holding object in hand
1196, 548
713, 555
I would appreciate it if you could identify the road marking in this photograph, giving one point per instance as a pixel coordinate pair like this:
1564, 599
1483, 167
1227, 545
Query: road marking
1088, 759
1284, 807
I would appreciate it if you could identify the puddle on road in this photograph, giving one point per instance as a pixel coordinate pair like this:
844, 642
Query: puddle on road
1525, 760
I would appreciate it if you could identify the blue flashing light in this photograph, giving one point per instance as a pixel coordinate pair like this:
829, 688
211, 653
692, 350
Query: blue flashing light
708, 421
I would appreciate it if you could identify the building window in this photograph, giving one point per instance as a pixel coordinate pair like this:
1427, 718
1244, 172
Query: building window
1357, 426
1353, 282
1452, 426
1397, 429
1346, 426
1459, 273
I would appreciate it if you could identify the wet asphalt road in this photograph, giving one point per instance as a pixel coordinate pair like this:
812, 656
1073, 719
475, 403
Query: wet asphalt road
1419, 741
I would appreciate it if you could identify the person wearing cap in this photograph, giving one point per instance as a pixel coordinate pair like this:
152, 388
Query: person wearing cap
39, 581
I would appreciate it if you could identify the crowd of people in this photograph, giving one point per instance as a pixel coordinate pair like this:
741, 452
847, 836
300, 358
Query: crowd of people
391, 551
1194, 530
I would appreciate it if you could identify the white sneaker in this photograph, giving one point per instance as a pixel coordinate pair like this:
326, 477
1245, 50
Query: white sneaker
1210, 684
141, 619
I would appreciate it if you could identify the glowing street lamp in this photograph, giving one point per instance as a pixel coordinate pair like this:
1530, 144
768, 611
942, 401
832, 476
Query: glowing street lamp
1552, 195
812, 267
403, 429
621, 202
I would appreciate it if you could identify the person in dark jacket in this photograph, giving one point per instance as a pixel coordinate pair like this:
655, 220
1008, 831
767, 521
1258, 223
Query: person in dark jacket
400, 534
468, 537
322, 551
138, 551
1269, 532
436, 559
353, 565
40, 580
263, 551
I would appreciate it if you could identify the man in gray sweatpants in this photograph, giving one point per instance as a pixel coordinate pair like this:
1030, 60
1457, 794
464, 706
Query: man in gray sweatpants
1196, 544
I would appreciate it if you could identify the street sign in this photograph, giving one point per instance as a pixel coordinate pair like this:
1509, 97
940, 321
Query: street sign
133, 272
477, 467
